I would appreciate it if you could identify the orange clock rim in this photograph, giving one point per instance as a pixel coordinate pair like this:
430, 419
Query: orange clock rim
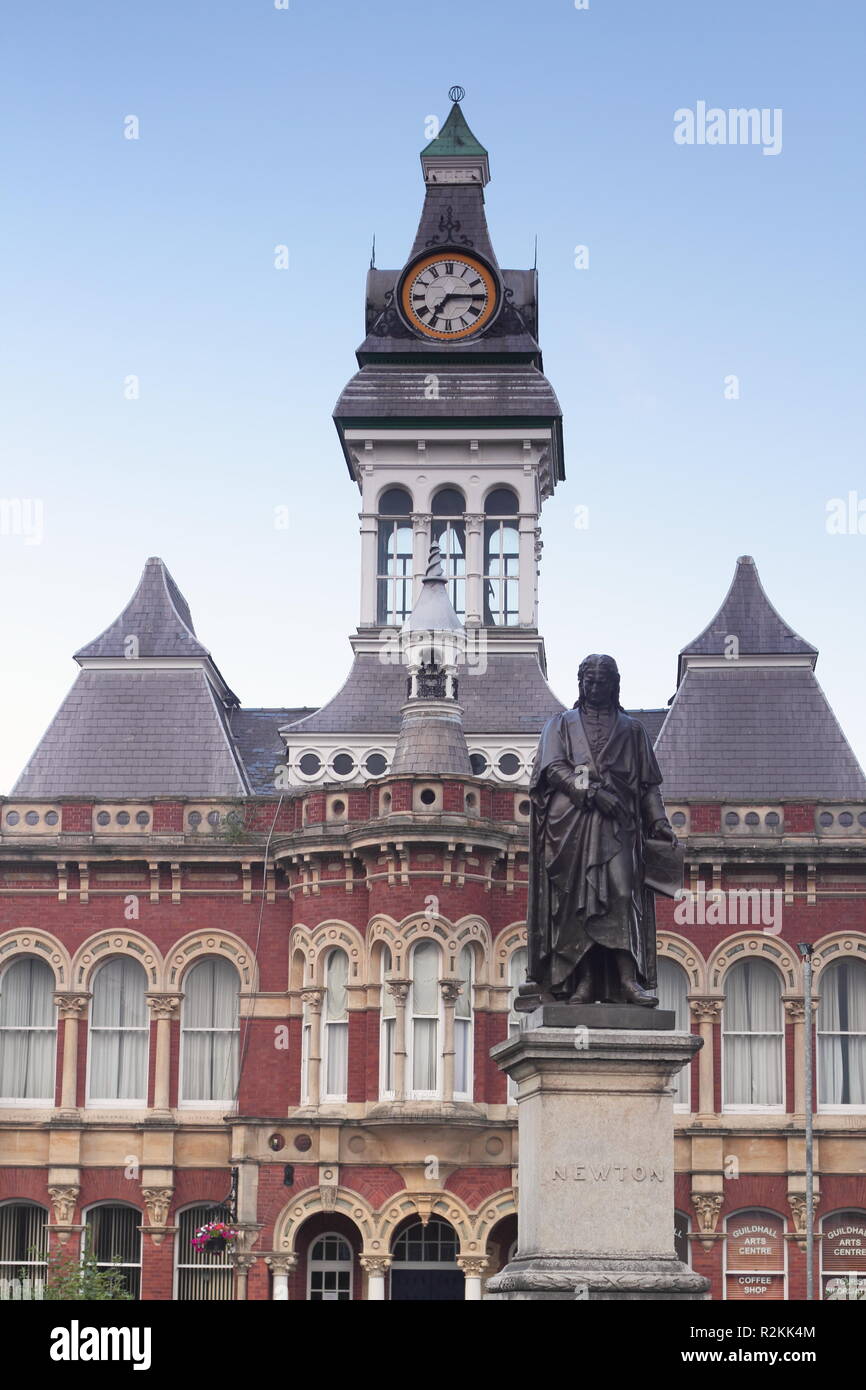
415, 269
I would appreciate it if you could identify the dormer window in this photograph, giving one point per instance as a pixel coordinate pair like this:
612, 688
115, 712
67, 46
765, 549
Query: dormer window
394, 563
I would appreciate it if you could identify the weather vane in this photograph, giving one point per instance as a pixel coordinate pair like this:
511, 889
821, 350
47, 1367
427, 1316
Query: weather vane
456, 93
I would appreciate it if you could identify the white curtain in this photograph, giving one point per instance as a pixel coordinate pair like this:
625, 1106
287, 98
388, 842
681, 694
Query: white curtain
118, 1032
210, 1031
673, 995
336, 1026
425, 1017
28, 1031
753, 1035
386, 1044
842, 1034
463, 1026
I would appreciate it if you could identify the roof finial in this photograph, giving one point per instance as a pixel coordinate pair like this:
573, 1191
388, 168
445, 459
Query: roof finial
434, 564
456, 93
373, 253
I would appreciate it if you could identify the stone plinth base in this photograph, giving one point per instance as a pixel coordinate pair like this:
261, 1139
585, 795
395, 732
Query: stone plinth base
596, 1135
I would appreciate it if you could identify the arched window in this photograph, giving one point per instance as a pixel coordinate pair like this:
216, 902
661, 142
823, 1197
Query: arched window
209, 1071
517, 968
449, 533
335, 1027
24, 1246
501, 559
753, 1033
329, 1269
28, 1032
199, 1274
389, 1023
119, 1033
425, 1263
424, 1011
673, 995
394, 562
843, 1255
463, 1028
842, 1035
112, 1235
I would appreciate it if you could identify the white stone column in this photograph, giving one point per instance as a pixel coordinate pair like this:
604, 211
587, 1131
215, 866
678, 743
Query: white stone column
795, 1010
281, 1266
528, 586
369, 567
474, 567
163, 1007
70, 1008
400, 990
474, 1267
451, 989
421, 526
707, 1012
377, 1267
312, 1001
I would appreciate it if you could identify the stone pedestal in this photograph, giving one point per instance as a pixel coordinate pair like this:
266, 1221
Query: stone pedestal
596, 1135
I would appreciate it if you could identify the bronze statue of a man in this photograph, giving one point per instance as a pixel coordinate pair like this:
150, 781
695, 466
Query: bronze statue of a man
597, 813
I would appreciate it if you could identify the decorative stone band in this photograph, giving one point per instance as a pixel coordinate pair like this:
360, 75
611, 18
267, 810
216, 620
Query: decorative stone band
582, 1277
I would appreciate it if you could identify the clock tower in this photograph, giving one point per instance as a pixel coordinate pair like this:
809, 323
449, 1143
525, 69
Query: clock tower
453, 435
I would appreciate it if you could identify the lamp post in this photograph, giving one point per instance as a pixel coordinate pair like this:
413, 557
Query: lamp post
805, 948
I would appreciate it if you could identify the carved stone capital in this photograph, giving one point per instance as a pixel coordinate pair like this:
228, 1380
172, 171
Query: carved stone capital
377, 1266
707, 1206
164, 1005
795, 1009
451, 990
399, 989
71, 1005
63, 1200
312, 1000
243, 1261
157, 1200
421, 521
282, 1264
797, 1203
475, 519
706, 1010
473, 1266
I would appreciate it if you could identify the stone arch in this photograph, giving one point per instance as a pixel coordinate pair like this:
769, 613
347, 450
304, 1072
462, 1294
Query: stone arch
683, 952
424, 1205
42, 945
754, 946
385, 931
474, 932
106, 944
491, 1212
838, 945
196, 945
329, 935
309, 1203
507, 941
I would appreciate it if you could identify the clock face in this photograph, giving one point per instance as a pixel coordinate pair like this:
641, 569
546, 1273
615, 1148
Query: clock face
448, 295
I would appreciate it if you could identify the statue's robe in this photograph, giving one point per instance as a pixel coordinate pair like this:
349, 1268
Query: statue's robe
586, 871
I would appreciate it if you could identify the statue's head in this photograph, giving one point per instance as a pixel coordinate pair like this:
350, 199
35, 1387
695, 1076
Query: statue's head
598, 682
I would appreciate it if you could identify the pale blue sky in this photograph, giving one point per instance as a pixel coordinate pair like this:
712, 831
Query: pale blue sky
261, 126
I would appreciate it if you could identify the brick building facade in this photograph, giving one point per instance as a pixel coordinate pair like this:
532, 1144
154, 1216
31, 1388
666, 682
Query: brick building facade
252, 961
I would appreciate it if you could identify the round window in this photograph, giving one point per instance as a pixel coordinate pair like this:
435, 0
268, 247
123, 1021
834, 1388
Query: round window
194, 819
845, 818
123, 818
51, 818
826, 818
102, 818
213, 818
678, 818
752, 818
142, 818
508, 764
375, 764
12, 818
427, 796
32, 818
479, 764
732, 818
309, 764
338, 807
772, 818
343, 764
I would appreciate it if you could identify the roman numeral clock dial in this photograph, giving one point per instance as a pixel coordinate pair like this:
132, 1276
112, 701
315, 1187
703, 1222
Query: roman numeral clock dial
448, 295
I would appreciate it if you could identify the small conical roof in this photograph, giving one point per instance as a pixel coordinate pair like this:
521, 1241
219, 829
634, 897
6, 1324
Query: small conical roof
454, 139
157, 616
747, 614
434, 611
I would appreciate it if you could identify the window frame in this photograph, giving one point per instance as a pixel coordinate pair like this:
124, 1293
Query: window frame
228, 1103
100, 1102
327, 1097
137, 1266
411, 1091
346, 1266
33, 1102
835, 1107
743, 1107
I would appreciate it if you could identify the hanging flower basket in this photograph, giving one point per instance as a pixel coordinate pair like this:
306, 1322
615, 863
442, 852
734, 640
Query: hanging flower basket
214, 1237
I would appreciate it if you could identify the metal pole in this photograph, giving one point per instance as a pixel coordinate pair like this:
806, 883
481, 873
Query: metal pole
807, 1061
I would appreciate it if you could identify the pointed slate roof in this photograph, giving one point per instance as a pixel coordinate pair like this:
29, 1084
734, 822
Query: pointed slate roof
433, 610
757, 728
144, 719
454, 138
747, 614
157, 615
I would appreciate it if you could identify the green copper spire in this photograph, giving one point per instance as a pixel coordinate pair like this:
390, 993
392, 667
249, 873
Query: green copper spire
455, 138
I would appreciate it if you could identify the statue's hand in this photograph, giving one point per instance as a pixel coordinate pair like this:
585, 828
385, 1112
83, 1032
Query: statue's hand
607, 803
663, 830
